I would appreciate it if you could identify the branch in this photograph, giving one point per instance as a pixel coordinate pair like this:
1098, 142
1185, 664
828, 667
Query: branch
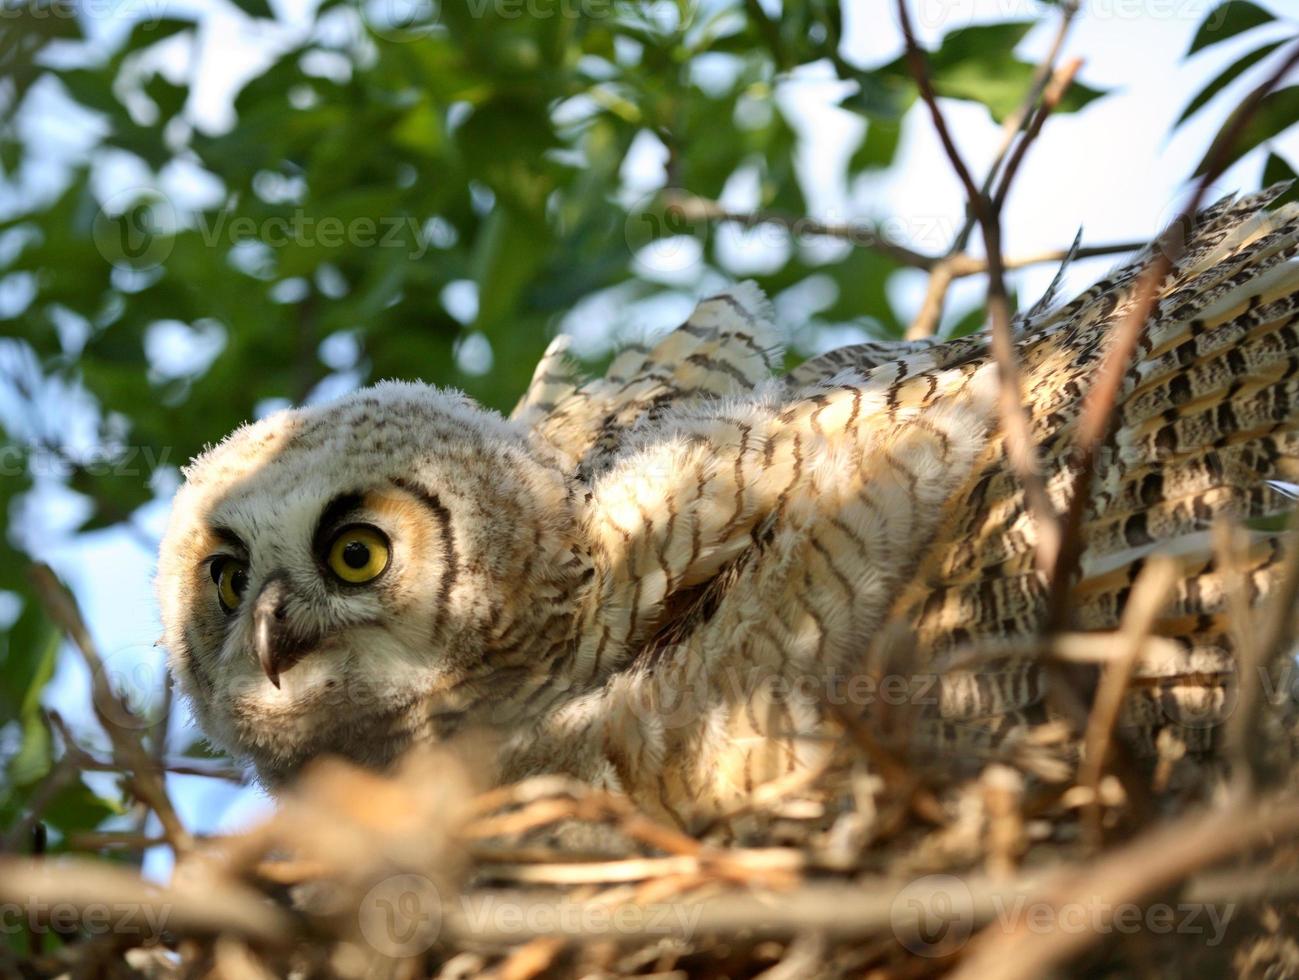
1149, 596
128, 749
1016, 121
693, 208
961, 265
1020, 449
1050, 100
1154, 861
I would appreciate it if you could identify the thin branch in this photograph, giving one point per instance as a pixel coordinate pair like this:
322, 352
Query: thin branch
959, 266
1147, 600
1020, 449
63, 774
212, 907
692, 208
1050, 100
128, 749
1152, 862
1016, 121
919, 69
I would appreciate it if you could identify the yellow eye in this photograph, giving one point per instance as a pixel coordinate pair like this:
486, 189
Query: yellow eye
358, 554
231, 578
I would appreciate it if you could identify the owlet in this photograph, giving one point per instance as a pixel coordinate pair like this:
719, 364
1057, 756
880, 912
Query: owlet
674, 580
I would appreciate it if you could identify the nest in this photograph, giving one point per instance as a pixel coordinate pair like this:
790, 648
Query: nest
878, 868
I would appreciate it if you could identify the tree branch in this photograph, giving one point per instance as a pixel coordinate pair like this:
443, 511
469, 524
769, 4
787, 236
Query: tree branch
1020, 450
128, 749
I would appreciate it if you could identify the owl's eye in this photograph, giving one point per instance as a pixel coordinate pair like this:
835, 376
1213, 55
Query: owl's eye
358, 554
231, 578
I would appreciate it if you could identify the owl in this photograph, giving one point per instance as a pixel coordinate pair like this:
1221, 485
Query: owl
681, 580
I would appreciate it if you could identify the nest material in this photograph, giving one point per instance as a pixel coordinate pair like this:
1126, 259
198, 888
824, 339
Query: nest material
870, 871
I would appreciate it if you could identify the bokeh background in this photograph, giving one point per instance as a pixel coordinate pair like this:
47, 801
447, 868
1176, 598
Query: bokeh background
210, 209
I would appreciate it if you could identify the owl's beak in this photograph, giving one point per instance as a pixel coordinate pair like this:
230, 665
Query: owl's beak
277, 650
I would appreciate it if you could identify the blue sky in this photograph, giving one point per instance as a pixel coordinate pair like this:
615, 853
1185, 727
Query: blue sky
1112, 169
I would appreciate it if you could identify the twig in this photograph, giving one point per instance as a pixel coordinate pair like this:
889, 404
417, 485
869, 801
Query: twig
1152, 862
63, 774
127, 747
1050, 99
1017, 120
215, 906
103, 841
960, 265
692, 208
1149, 595
1020, 449
1162, 857
1230, 541
87, 761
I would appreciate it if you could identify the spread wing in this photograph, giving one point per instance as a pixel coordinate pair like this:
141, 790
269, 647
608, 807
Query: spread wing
727, 347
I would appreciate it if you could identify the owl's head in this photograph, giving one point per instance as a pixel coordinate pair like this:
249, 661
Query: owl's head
351, 577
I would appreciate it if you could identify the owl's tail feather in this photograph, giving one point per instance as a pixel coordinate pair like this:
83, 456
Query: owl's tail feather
1207, 432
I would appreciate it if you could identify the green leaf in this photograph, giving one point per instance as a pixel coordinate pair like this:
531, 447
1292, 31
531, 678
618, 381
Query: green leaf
978, 64
1227, 20
1277, 170
970, 322
255, 8
1275, 114
152, 30
33, 649
78, 809
1228, 76
508, 253
986, 44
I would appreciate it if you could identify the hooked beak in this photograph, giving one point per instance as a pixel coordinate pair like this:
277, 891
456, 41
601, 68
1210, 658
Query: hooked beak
277, 647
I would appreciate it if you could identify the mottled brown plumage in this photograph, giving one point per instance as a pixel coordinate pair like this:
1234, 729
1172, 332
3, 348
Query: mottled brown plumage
677, 579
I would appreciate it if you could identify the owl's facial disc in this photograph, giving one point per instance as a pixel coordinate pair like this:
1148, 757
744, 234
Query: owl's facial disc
356, 555
347, 579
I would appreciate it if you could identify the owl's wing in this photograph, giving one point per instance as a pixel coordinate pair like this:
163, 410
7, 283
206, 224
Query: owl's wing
728, 346
905, 358
1207, 418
